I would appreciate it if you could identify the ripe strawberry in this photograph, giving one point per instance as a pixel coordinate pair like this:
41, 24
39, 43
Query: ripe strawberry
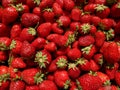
50, 77
60, 2
86, 18
38, 43
4, 31
32, 76
56, 29
51, 47
68, 4
90, 7
48, 14
111, 87
16, 46
89, 81
100, 2
37, 11
17, 85
111, 53
98, 58
94, 66
43, 58
9, 15
53, 66
44, 29
64, 21
117, 77
75, 44
28, 34
105, 44
73, 54
3, 56
4, 43
117, 26
50, 85
99, 38
86, 40
27, 50
5, 85
73, 71
76, 14
3, 70
74, 26
29, 19
7, 3
88, 51
62, 79
1, 11
95, 20
32, 3
32, 87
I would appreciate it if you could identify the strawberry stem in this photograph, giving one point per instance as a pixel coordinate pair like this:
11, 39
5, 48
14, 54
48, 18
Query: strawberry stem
100, 7
85, 28
12, 45
4, 78
66, 84
38, 78
32, 31
72, 66
61, 63
37, 2
86, 50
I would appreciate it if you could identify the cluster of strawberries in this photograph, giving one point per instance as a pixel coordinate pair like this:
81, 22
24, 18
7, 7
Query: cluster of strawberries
59, 44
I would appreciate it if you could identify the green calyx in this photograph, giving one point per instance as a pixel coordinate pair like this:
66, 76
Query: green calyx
48, 9
110, 34
71, 39
100, 7
87, 49
32, 31
3, 47
37, 2
78, 85
107, 83
10, 58
66, 84
59, 23
81, 61
72, 66
41, 59
86, 28
61, 63
92, 73
19, 7
4, 78
100, 61
39, 77
13, 44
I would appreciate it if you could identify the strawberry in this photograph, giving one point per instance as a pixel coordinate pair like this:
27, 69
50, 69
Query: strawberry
64, 21
74, 54
32, 87
117, 77
88, 51
74, 26
76, 14
5, 85
28, 34
57, 9
60, 2
56, 29
7, 3
4, 43
29, 19
50, 77
17, 85
90, 7
89, 81
73, 71
75, 44
9, 15
86, 40
98, 58
50, 85
32, 76
105, 44
4, 31
111, 53
99, 38
48, 14
38, 43
95, 20
53, 66
43, 58
68, 4
117, 26
3, 56
37, 11
111, 87
44, 29
51, 47
32, 3
85, 18
27, 50
62, 79
93, 65
100, 2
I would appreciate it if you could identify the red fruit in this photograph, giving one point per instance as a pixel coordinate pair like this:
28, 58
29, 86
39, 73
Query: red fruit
3, 56
37, 11
86, 18
89, 82
44, 29
32, 3
38, 43
100, 2
62, 79
94, 66
111, 87
7, 3
32, 87
29, 19
4, 31
74, 54
105, 44
68, 4
98, 58
60, 2
56, 29
43, 58
50, 85
1, 11
53, 66
50, 46
3, 70
117, 77
86, 40
95, 20
9, 15
76, 14
90, 8
27, 50
5, 85
117, 26
74, 26
17, 85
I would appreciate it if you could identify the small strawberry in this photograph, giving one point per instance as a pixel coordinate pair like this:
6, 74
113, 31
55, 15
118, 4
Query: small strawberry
51, 47
110, 34
60, 2
17, 85
32, 3
86, 18
62, 79
56, 29
37, 11
95, 20
98, 58
1, 11
86, 40
117, 26
9, 15
90, 7
50, 85
68, 4
44, 29
93, 65
43, 58
32, 87
74, 26
53, 66
29, 19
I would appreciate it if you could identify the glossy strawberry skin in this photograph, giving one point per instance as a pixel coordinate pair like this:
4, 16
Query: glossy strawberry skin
68, 4
32, 87
37, 11
6, 3
56, 29
51, 47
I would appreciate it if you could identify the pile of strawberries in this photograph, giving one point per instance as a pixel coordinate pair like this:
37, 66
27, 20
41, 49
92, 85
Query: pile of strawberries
59, 44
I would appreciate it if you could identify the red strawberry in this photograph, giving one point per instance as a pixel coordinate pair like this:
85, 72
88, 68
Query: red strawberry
100, 2
73, 54
4, 43
48, 15
44, 29
32, 76
95, 20
117, 77
53, 66
17, 85
6, 3
50, 77
37, 11
43, 58
62, 79
32, 87
32, 3
99, 38
111, 87
56, 29
73, 71
117, 26
74, 26
86, 40
60, 2
9, 15
98, 58
76, 14
90, 8
5, 85
68, 4
75, 44
105, 44
27, 50
86, 18
89, 81
3, 70
29, 19
51, 47
111, 53
3, 56
50, 85
94, 66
